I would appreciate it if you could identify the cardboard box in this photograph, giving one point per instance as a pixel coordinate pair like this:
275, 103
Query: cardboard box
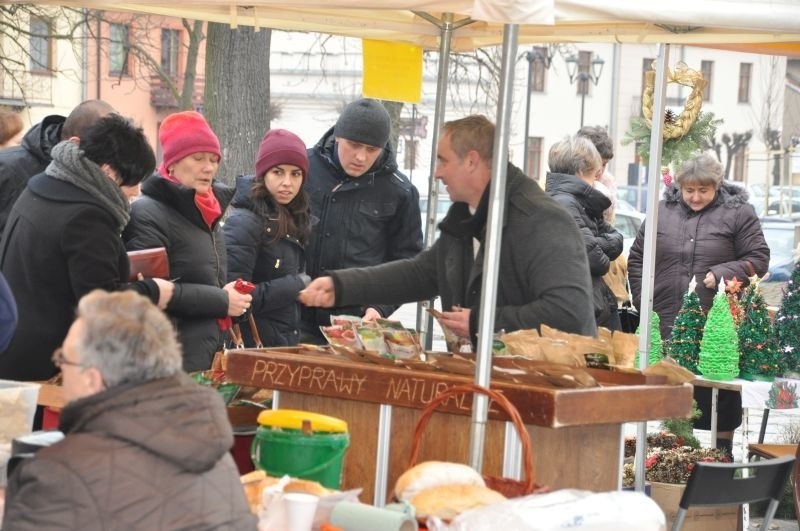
668, 496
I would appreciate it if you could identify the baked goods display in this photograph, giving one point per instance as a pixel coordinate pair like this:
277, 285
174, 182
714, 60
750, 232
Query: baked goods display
256, 481
448, 501
431, 474
443, 489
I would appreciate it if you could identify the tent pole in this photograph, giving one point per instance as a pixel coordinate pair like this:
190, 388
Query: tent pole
447, 27
648, 265
491, 254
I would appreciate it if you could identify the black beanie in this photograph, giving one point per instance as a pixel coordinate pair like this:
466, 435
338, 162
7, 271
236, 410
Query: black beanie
365, 121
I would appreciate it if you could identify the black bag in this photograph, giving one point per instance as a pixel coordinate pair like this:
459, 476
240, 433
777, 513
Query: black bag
629, 317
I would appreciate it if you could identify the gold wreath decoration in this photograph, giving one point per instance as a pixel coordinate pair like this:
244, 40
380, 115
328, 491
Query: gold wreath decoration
683, 75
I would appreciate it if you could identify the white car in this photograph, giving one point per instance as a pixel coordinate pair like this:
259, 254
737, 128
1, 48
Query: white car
628, 223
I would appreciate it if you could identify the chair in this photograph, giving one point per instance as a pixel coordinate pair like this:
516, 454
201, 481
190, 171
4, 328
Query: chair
770, 451
717, 484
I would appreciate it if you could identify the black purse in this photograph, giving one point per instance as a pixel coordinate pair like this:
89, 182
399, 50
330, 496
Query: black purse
628, 314
628, 317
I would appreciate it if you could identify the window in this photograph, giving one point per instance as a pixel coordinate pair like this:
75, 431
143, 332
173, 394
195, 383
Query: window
647, 65
170, 43
738, 165
707, 69
534, 157
584, 67
745, 71
40, 51
410, 154
118, 49
538, 69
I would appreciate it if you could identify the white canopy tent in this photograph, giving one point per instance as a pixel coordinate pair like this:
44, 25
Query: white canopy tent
760, 26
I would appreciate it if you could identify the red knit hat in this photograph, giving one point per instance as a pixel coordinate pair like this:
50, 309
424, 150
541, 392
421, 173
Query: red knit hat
184, 133
280, 146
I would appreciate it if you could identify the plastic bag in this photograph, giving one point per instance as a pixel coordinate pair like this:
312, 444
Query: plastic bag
562, 509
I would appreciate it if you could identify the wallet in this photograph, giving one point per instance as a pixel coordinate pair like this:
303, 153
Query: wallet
151, 263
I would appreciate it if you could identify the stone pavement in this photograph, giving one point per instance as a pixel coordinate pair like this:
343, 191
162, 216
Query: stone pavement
776, 525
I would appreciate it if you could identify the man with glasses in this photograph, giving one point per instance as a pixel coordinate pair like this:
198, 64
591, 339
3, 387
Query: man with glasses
145, 447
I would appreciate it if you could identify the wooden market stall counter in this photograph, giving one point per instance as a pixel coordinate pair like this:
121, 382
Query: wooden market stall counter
576, 433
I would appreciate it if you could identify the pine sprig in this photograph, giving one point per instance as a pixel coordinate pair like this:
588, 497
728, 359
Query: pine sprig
674, 150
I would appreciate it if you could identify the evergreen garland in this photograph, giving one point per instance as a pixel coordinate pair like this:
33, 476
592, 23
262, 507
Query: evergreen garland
757, 343
687, 332
674, 150
719, 348
787, 322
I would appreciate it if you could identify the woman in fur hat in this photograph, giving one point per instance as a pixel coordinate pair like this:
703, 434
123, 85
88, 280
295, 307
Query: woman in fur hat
180, 209
266, 234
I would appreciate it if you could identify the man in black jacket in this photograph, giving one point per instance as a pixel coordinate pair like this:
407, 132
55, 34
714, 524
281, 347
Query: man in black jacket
20, 163
368, 211
543, 276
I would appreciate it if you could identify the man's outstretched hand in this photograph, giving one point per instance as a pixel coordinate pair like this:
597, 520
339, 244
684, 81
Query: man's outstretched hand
319, 293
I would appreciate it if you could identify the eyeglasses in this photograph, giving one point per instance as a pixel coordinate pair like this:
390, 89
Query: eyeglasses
59, 360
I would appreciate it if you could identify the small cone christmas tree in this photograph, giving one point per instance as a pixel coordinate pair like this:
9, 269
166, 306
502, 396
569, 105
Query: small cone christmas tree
787, 322
760, 357
655, 353
719, 348
684, 341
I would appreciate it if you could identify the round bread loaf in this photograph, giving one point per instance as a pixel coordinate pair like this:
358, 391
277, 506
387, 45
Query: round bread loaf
432, 474
448, 501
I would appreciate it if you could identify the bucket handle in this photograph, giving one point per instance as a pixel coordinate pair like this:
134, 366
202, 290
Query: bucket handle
255, 446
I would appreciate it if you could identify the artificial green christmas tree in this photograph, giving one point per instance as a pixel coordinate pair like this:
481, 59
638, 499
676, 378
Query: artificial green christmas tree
684, 341
758, 347
655, 354
787, 322
719, 348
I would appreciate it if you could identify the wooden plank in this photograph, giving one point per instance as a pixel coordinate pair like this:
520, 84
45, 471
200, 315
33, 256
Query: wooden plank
320, 374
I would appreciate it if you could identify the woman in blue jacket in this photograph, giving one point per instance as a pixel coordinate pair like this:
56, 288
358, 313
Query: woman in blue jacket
265, 237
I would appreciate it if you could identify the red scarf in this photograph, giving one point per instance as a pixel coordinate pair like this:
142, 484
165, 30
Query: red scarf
206, 203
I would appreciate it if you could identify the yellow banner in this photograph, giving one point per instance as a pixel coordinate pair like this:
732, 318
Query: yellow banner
392, 71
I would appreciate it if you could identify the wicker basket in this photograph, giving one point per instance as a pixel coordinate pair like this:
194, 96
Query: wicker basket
510, 488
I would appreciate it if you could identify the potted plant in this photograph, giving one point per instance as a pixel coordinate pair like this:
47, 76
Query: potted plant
671, 456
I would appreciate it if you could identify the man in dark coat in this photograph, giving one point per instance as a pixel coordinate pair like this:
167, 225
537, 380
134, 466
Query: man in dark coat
544, 272
145, 447
63, 240
368, 211
20, 163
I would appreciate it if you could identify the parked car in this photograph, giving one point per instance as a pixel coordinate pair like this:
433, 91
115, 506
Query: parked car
628, 222
443, 204
783, 236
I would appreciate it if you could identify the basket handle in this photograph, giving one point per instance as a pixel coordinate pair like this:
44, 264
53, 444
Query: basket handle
494, 396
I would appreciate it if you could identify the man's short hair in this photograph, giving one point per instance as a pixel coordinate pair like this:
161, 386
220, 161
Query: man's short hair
599, 137
84, 116
472, 133
127, 338
573, 154
115, 141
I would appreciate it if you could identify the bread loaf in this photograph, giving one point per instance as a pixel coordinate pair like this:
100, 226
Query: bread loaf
254, 484
432, 474
448, 501
306, 486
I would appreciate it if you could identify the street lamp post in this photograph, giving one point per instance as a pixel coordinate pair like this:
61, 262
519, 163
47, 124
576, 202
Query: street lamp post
535, 54
576, 73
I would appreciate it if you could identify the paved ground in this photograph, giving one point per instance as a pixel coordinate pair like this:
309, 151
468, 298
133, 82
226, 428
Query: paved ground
779, 525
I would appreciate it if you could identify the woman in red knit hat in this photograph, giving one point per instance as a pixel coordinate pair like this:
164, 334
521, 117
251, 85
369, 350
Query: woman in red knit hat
180, 209
266, 233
